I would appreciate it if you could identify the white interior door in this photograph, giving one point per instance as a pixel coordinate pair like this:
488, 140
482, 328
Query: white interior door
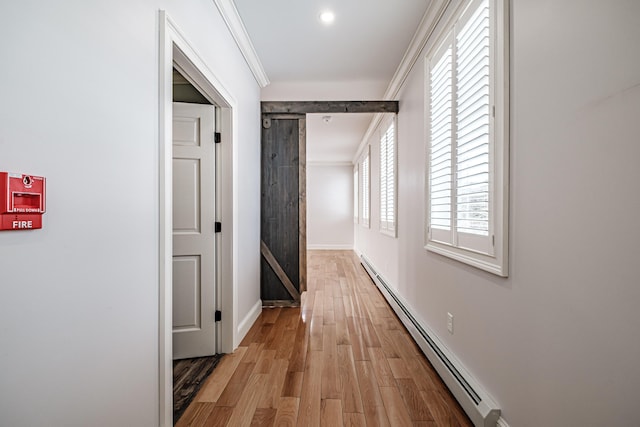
194, 257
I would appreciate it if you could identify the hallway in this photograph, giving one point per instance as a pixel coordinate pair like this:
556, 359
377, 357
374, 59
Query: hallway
342, 358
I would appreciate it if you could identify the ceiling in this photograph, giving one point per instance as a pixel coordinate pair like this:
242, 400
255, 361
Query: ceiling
365, 43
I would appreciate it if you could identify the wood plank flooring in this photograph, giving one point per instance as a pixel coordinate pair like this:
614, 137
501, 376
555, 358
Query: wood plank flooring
188, 376
341, 359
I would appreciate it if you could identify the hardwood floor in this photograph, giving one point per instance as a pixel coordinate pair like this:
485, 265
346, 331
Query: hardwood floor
341, 359
188, 376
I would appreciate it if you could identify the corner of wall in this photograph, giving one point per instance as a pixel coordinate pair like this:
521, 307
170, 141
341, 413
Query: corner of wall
247, 322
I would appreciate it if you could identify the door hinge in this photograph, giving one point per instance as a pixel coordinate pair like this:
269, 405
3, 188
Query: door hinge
218, 316
217, 137
218, 227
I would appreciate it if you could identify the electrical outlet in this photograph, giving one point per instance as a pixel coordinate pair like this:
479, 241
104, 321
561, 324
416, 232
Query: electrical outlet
450, 323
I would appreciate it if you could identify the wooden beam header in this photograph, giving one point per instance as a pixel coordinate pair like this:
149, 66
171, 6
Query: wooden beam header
332, 107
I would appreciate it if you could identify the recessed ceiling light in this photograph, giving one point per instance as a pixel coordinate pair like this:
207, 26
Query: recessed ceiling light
327, 17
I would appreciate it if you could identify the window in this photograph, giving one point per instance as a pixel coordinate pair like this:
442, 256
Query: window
365, 188
467, 163
388, 180
355, 193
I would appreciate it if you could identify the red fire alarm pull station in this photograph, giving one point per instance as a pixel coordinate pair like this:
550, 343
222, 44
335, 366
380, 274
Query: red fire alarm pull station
22, 201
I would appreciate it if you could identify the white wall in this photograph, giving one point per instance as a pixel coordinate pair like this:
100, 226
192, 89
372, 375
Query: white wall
79, 304
324, 91
556, 343
329, 206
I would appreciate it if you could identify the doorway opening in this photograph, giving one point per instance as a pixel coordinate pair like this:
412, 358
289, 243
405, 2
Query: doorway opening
206, 97
195, 247
284, 193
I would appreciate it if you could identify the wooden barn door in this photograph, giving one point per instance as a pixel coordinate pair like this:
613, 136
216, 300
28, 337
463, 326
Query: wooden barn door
283, 209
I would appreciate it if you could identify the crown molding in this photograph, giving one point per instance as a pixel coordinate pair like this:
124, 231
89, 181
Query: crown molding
425, 29
237, 29
423, 33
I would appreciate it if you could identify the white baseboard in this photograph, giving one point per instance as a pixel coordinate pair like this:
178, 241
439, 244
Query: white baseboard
330, 247
248, 321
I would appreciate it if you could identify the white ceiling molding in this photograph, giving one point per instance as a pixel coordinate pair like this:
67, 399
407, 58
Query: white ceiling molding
427, 25
423, 33
231, 17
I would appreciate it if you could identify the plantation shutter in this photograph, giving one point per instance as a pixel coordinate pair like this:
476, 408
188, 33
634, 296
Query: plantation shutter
467, 114
472, 72
355, 194
383, 182
387, 179
440, 160
364, 171
460, 126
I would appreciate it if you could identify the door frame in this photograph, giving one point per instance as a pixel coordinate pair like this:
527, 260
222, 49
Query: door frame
175, 51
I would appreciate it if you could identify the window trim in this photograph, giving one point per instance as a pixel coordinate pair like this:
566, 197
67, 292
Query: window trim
497, 263
389, 230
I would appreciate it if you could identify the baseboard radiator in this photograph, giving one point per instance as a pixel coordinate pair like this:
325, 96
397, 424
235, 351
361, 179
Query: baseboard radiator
480, 408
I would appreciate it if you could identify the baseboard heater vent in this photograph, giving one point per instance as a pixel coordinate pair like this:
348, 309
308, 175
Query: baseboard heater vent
480, 408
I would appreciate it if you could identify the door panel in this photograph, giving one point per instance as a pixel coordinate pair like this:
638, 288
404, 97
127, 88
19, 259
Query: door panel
186, 293
193, 231
283, 209
186, 196
186, 131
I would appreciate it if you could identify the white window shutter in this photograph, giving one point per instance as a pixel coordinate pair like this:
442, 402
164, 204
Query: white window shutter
355, 193
440, 162
388, 179
472, 168
383, 182
467, 104
366, 188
